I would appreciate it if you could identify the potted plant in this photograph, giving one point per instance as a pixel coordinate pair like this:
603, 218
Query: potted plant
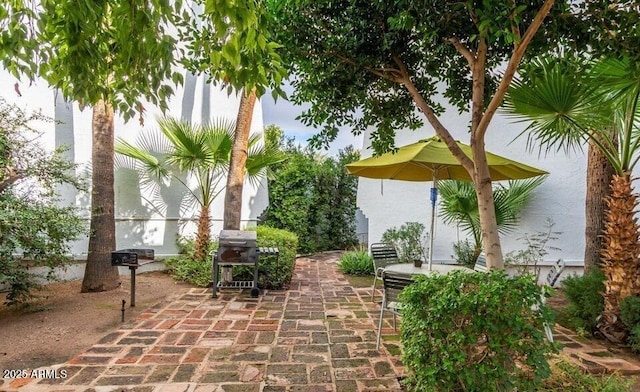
411, 242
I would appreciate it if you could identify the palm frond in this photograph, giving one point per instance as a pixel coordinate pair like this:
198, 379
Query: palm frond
558, 106
618, 83
618, 79
187, 141
509, 201
151, 164
459, 204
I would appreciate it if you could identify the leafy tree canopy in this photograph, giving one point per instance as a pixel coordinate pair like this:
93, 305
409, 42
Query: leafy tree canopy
86, 49
350, 55
231, 43
611, 27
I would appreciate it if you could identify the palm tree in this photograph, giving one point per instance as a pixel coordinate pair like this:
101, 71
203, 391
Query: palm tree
459, 204
183, 150
570, 103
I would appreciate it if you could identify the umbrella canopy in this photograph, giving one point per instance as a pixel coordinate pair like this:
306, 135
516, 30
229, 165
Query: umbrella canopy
431, 160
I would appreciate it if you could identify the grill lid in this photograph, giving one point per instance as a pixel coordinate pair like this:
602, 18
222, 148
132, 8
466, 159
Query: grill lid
238, 238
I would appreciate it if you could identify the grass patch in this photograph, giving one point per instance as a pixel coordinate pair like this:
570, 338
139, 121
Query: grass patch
566, 377
358, 281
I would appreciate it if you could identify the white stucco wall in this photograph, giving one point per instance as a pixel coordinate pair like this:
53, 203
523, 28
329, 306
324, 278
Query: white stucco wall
140, 221
388, 203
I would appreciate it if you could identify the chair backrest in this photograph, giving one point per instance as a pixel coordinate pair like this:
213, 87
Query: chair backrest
481, 263
554, 272
383, 254
394, 284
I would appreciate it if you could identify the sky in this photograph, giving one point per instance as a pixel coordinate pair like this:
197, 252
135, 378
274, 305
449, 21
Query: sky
283, 114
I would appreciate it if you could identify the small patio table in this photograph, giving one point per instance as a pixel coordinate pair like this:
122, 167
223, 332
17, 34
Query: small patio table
410, 269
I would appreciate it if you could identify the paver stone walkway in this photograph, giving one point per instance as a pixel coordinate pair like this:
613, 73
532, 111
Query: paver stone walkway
318, 336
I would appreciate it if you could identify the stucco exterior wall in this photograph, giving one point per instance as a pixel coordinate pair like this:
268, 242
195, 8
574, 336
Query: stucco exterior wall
141, 219
388, 203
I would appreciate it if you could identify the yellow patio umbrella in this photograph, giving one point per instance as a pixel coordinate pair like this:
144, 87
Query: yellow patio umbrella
431, 160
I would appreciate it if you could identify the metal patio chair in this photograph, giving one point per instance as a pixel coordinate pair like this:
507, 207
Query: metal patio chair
481, 263
551, 279
393, 285
383, 254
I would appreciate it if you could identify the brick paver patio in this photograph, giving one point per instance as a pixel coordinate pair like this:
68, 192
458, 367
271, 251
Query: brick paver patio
317, 336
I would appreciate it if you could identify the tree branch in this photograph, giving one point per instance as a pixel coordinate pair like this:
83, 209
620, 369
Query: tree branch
463, 50
478, 80
392, 74
515, 30
428, 112
12, 176
512, 66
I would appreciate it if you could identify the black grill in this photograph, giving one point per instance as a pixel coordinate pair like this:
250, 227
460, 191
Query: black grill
130, 257
237, 247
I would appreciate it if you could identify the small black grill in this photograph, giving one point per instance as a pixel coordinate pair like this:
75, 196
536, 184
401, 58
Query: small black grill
131, 258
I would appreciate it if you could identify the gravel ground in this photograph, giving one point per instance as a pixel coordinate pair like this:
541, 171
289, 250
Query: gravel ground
64, 322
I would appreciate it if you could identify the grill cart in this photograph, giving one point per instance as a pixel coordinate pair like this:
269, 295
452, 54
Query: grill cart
237, 247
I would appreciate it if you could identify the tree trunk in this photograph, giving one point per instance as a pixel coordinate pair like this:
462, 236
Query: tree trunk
620, 256
599, 176
237, 164
203, 235
486, 208
99, 274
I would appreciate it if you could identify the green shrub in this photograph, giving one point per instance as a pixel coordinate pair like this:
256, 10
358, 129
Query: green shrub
566, 377
315, 198
584, 294
526, 261
630, 311
634, 338
186, 268
273, 272
357, 262
474, 332
630, 317
465, 253
410, 240
33, 224
20, 282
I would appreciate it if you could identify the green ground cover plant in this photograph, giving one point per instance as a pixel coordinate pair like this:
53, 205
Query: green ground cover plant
584, 294
358, 262
566, 377
186, 267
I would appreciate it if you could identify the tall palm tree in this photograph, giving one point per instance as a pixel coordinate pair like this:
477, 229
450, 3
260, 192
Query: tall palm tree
459, 204
183, 151
570, 104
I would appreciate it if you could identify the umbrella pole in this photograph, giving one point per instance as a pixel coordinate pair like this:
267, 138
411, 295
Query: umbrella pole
434, 197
